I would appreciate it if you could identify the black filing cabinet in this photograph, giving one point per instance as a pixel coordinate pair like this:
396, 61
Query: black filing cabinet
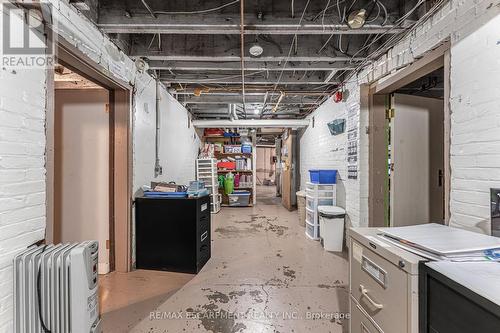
172, 234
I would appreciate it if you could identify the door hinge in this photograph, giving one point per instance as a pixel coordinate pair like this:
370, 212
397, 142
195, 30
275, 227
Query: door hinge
106, 108
108, 244
389, 113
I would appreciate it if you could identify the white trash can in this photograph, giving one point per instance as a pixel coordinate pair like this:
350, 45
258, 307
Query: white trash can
331, 227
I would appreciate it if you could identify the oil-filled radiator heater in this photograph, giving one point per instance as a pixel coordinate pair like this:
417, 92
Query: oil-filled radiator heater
56, 289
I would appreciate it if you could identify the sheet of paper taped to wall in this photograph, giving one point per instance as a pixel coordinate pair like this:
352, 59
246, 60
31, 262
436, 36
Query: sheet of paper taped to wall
357, 252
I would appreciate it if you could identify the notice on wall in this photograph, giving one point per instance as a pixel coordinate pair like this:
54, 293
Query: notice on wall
352, 141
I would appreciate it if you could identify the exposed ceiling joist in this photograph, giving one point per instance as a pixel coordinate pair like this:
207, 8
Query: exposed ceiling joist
167, 56
295, 52
251, 99
115, 21
252, 123
252, 92
224, 48
250, 65
249, 80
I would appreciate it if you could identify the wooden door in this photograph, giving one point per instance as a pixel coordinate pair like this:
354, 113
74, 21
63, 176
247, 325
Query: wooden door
417, 152
287, 170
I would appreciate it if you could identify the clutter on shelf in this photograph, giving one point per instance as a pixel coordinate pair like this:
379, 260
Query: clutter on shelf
232, 152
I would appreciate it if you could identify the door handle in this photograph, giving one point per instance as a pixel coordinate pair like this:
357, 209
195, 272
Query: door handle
364, 293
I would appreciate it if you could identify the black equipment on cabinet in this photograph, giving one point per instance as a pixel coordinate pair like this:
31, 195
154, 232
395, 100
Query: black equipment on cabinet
172, 234
446, 306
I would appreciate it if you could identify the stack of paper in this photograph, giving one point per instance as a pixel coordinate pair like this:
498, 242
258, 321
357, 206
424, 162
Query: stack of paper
439, 242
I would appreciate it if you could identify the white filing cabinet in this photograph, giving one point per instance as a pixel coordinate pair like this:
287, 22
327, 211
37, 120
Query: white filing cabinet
383, 285
317, 195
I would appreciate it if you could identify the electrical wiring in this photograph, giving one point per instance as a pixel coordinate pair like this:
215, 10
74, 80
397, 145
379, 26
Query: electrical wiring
324, 13
196, 11
378, 12
384, 8
228, 77
384, 47
148, 8
326, 9
341, 16
340, 44
291, 46
396, 24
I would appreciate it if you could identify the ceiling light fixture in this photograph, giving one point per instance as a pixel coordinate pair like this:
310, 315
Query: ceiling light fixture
357, 19
256, 50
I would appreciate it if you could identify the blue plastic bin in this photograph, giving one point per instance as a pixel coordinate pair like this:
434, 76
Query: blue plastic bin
323, 176
246, 149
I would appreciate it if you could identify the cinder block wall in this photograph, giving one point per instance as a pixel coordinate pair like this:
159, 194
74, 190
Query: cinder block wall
472, 28
22, 141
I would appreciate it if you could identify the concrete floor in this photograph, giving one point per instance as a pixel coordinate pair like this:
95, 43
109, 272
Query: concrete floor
264, 276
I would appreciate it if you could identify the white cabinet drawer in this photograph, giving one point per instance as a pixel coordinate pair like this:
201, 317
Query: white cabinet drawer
380, 288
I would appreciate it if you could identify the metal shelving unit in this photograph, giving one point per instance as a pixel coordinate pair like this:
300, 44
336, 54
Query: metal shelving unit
206, 171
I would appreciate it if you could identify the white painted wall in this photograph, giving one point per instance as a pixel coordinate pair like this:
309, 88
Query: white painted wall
82, 168
22, 172
472, 27
179, 142
22, 140
320, 150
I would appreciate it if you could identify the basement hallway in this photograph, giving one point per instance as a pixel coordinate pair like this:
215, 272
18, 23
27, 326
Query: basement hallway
265, 275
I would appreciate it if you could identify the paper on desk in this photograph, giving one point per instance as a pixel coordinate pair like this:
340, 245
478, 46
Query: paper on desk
442, 240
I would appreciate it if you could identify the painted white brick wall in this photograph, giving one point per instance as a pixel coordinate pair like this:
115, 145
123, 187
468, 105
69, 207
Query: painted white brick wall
320, 150
472, 27
22, 141
22, 173
475, 124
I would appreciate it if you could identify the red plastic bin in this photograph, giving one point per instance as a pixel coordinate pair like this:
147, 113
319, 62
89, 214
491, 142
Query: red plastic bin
226, 165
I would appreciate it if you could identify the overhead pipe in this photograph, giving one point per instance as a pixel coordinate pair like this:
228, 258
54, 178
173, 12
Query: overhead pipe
158, 167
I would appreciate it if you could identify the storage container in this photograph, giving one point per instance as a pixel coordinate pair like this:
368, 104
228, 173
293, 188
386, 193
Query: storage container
320, 187
323, 176
301, 206
312, 231
232, 149
226, 165
246, 149
321, 194
310, 216
239, 198
313, 203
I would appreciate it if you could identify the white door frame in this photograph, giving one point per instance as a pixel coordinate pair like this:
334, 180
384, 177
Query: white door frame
435, 59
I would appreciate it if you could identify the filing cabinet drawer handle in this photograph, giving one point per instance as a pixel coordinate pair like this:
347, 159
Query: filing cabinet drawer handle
364, 292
